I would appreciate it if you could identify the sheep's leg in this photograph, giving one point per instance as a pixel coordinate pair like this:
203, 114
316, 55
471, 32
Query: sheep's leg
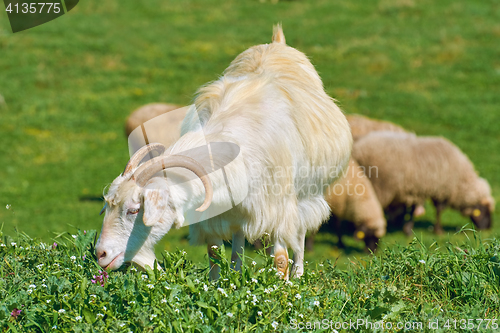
238, 248
408, 226
310, 242
298, 257
438, 229
280, 253
213, 257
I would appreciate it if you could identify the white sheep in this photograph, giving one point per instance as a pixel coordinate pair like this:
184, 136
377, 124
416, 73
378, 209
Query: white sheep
362, 125
293, 140
352, 198
407, 170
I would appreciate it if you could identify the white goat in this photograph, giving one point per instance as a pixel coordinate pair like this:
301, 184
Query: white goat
294, 141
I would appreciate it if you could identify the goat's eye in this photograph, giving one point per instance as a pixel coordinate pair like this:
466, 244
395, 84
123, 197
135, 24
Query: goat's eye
133, 211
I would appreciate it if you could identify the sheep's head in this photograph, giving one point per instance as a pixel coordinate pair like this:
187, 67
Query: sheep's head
370, 236
139, 209
481, 212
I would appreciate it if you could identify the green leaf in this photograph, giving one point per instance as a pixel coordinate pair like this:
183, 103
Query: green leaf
88, 315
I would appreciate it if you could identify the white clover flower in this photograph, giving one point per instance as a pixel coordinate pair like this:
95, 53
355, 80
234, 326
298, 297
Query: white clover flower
32, 286
144, 277
298, 296
422, 261
176, 310
74, 236
164, 300
99, 315
78, 318
254, 280
254, 263
48, 301
268, 290
153, 316
73, 258
61, 311
222, 291
274, 325
133, 269
280, 273
316, 303
233, 286
230, 315
13, 244
289, 283
249, 292
259, 313
29, 291
261, 270
205, 287
150, 286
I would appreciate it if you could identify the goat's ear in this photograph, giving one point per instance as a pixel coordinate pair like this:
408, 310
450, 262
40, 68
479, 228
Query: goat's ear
155, 203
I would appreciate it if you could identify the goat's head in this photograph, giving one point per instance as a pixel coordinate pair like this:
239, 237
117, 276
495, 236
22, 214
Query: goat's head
139, 209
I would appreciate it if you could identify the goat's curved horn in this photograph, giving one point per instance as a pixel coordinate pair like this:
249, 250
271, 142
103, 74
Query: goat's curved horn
140, 154
180, 161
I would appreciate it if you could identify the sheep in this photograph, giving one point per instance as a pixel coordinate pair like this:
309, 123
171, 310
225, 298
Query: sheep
362, 125
353, 198
149, 111
407, 170
293, 141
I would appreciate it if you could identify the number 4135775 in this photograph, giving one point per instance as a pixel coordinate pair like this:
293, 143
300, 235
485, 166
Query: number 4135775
471, 323
34, 8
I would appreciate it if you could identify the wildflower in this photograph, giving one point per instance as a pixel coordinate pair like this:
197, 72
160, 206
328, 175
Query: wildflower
222, 291
39, 266
320, 265
176, 310
48, 301
201, 314
84, 256
254, 280
184, 253
289, 283
152, 316
164, 300
16, 312
99, 315
104, 308
215, 247
42, 246
44, 285
133, 269
29, 291
233, 286
167, 287
73, 258
196, 281
79, 266
290, 304
268, 290
93, 296
65, 295
274, 325
259, 313
316, 303
132, 302
290, 261
61, 311
205, 287
254, 263
78, 318
32, 286
261, 270
7, 206
301, 315
13, 244
84, 232
230, 315
74, 236
54, 327
100, 279
422, 261
2, 245
144, 277
272, 255
298, 296
122, 324
54, 245
150, 286
280, 273
56, 264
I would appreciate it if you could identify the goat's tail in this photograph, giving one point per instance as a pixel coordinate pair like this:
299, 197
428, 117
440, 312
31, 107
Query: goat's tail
278, 35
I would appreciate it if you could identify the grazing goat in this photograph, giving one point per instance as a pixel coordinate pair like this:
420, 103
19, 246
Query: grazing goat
293, 139
408, 169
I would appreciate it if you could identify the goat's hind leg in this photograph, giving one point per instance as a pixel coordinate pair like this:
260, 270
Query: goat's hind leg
280, 253
298, 256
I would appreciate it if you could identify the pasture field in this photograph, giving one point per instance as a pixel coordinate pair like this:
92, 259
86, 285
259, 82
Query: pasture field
66, 88
415, 288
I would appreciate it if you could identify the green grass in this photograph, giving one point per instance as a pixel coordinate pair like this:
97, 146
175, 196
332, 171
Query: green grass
56, 289
68, 86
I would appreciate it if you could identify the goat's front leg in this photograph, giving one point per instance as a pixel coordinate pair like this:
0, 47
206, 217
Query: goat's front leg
238, 249
298, 256
280, 253
213, 256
